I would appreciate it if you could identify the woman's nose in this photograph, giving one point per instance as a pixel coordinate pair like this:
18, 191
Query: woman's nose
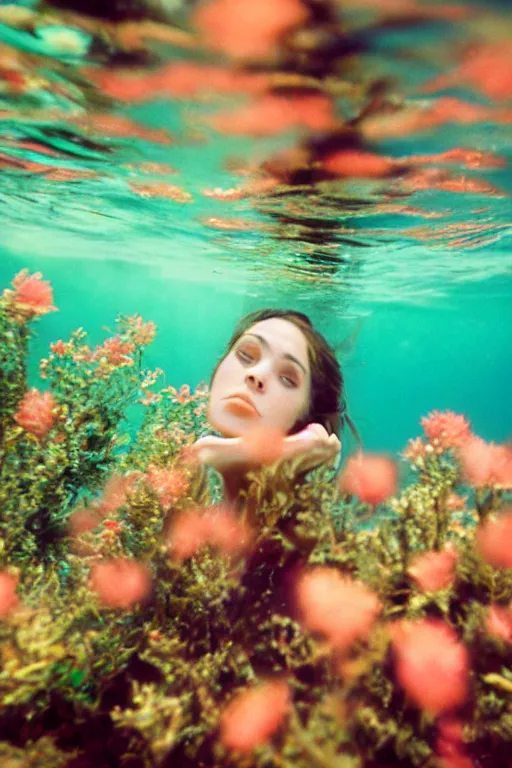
255, 381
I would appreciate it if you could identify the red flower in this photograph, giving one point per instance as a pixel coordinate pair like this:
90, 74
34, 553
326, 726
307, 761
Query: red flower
448, 429
8, 597
36, 413
372, 479
120, 583
339, 608
494, 540
499, 622
486, 463
254, 715
246, 29
434, 570
32, 296
431, 664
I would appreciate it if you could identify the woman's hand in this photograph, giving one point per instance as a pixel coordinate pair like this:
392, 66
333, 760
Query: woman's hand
227, 454
315, 445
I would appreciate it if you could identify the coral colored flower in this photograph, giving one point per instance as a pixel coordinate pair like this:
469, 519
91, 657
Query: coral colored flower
499, 622
187, 535
32, 295
263, 445
59, 348
8, 597
226, 532
167, 484
341, 609
486, 463
246, 29
115, 493
494, 540
373, 479
431, 664
254, 715
120, 583
82, 521
358, 165
115, 351
434, 570
446, 428
36, 413
191, 531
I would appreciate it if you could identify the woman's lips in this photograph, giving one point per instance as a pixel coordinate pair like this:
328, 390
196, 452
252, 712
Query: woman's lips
240, 407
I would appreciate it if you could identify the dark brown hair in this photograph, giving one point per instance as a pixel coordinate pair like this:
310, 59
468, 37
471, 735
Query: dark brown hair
328, 404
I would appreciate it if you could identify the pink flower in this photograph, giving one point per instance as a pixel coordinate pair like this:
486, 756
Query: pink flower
32, 295
494, 540
372, 479
339, 608
445, 428
247, 29
120, 583
36, 413
434, 570
254, 715
431, 664
499, 622
8, 598
486, 463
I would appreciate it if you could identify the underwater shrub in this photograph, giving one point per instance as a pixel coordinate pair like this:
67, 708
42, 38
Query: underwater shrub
348, 621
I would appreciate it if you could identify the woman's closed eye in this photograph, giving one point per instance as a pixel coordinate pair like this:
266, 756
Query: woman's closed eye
244, 356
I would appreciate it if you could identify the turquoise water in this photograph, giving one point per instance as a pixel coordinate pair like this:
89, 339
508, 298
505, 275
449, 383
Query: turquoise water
415, 282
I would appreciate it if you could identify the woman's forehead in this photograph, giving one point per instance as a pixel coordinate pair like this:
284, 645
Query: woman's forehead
283, 337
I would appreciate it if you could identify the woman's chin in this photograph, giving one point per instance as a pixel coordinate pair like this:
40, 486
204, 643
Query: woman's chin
231, 425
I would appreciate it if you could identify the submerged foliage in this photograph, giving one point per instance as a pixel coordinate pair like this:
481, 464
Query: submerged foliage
142, 624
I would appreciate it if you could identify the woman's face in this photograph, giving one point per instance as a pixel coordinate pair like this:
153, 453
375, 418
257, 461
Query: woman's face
265, 380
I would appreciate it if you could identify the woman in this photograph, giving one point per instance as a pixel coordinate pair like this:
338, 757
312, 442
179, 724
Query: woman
278, 372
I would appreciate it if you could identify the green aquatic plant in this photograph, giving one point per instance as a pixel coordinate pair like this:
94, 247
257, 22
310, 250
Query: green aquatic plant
324, 623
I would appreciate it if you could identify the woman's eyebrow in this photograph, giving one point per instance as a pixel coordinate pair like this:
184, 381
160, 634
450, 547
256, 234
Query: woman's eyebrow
288, 356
